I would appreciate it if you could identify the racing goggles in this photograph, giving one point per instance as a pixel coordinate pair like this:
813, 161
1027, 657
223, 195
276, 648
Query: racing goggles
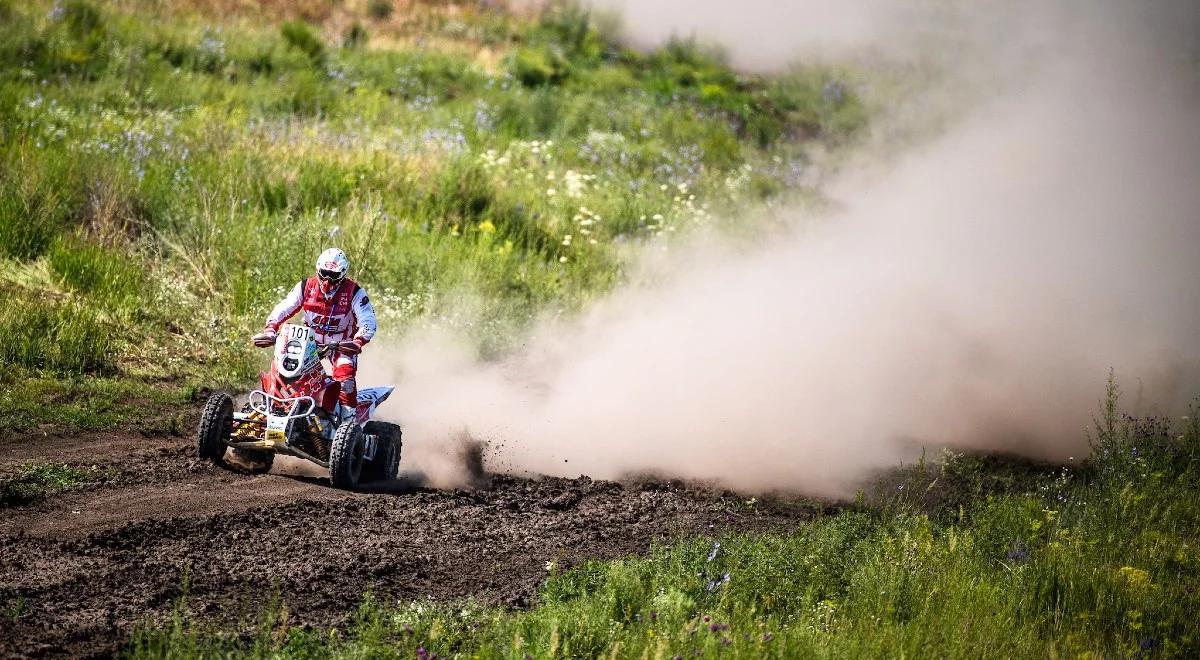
329, 275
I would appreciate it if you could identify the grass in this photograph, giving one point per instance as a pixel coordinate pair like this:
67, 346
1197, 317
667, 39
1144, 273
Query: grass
165, 173
55, 337
31, 482
1091, 561
89, 403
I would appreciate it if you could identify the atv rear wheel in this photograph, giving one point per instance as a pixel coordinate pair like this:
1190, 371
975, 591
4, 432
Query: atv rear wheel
386, 463
346, 456
216, 423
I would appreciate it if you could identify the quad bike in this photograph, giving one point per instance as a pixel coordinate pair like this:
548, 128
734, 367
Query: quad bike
297, 413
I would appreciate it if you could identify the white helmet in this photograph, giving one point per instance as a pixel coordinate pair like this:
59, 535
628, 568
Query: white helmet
331, 268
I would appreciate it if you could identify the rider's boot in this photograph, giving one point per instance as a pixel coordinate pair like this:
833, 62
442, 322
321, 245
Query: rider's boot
348, 403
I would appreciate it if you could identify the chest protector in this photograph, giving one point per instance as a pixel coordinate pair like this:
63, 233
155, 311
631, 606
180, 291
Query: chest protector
332, 318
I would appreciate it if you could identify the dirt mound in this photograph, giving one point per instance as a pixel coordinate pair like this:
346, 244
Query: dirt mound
79, 570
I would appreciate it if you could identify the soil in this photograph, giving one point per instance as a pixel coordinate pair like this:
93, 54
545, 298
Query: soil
80, 570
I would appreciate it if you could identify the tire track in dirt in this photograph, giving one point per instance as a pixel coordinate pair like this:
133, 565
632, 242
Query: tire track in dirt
88, 566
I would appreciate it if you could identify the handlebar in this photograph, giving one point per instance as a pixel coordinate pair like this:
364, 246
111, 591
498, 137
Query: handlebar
263, 340
348, 347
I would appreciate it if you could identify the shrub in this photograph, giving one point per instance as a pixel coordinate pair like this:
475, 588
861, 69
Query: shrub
300, 36
356, 35
379, 9
535, 67
569, 27
81, 18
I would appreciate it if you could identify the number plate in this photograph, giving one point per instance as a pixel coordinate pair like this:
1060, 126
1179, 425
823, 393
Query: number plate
275, 435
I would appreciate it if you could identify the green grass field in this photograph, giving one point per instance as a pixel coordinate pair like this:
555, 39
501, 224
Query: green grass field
168, 174
167, 170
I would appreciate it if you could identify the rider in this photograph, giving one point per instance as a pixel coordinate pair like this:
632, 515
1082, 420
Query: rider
338, 311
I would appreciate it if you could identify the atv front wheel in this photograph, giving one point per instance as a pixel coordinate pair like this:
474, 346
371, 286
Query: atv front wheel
386, 463
346, 456
216, 423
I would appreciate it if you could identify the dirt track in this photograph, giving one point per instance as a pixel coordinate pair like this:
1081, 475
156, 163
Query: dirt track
78, 571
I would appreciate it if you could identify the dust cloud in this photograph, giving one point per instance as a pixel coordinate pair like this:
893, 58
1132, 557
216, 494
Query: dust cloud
974, 293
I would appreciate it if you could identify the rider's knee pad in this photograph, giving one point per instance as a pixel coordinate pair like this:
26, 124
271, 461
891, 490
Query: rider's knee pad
344, 372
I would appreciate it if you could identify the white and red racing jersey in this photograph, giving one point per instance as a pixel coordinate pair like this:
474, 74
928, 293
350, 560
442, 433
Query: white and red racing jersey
344, 314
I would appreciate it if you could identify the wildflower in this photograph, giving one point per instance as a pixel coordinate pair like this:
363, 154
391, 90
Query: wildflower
550, 192
1137, 579
1017, 552
714, 584
718, 627
716, 547
833, 91
487, 227
562, 260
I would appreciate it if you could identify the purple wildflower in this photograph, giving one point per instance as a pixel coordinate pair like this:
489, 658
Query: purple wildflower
714, 584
